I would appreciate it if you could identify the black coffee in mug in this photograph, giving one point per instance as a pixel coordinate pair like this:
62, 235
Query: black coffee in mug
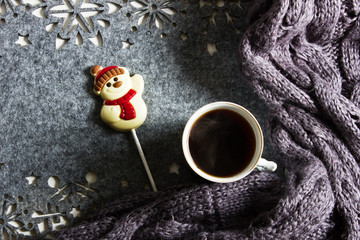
222, 143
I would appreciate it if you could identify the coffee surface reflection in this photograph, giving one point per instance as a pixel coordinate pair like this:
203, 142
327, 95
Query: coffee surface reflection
222, 143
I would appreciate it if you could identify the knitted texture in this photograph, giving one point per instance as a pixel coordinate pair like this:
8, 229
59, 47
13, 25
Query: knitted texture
303, 58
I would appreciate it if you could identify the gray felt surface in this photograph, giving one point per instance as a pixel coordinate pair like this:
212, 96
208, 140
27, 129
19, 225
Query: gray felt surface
51, 134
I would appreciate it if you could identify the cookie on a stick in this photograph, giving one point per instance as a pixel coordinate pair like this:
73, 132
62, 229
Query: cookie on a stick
123, 108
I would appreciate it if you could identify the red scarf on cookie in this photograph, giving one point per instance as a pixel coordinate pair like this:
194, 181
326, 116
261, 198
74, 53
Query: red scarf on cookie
127, 109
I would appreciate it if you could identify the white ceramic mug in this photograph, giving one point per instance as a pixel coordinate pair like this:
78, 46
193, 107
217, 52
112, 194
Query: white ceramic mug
256, 161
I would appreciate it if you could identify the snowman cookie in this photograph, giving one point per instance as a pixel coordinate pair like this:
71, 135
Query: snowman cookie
123, 108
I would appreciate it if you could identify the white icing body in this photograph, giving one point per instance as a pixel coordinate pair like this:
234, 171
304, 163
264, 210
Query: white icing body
110, 114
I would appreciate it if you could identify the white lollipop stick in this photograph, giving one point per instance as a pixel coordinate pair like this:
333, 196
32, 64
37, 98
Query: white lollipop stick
142, 155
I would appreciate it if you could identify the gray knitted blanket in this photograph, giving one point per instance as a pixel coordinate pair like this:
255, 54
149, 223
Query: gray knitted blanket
303, 58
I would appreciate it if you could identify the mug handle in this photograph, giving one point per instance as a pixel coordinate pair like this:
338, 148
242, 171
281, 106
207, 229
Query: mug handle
266, 166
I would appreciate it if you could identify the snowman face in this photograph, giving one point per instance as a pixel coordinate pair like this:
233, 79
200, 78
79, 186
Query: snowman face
116, 87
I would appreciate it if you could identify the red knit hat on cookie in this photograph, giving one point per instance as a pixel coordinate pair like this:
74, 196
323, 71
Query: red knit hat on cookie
102, 75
